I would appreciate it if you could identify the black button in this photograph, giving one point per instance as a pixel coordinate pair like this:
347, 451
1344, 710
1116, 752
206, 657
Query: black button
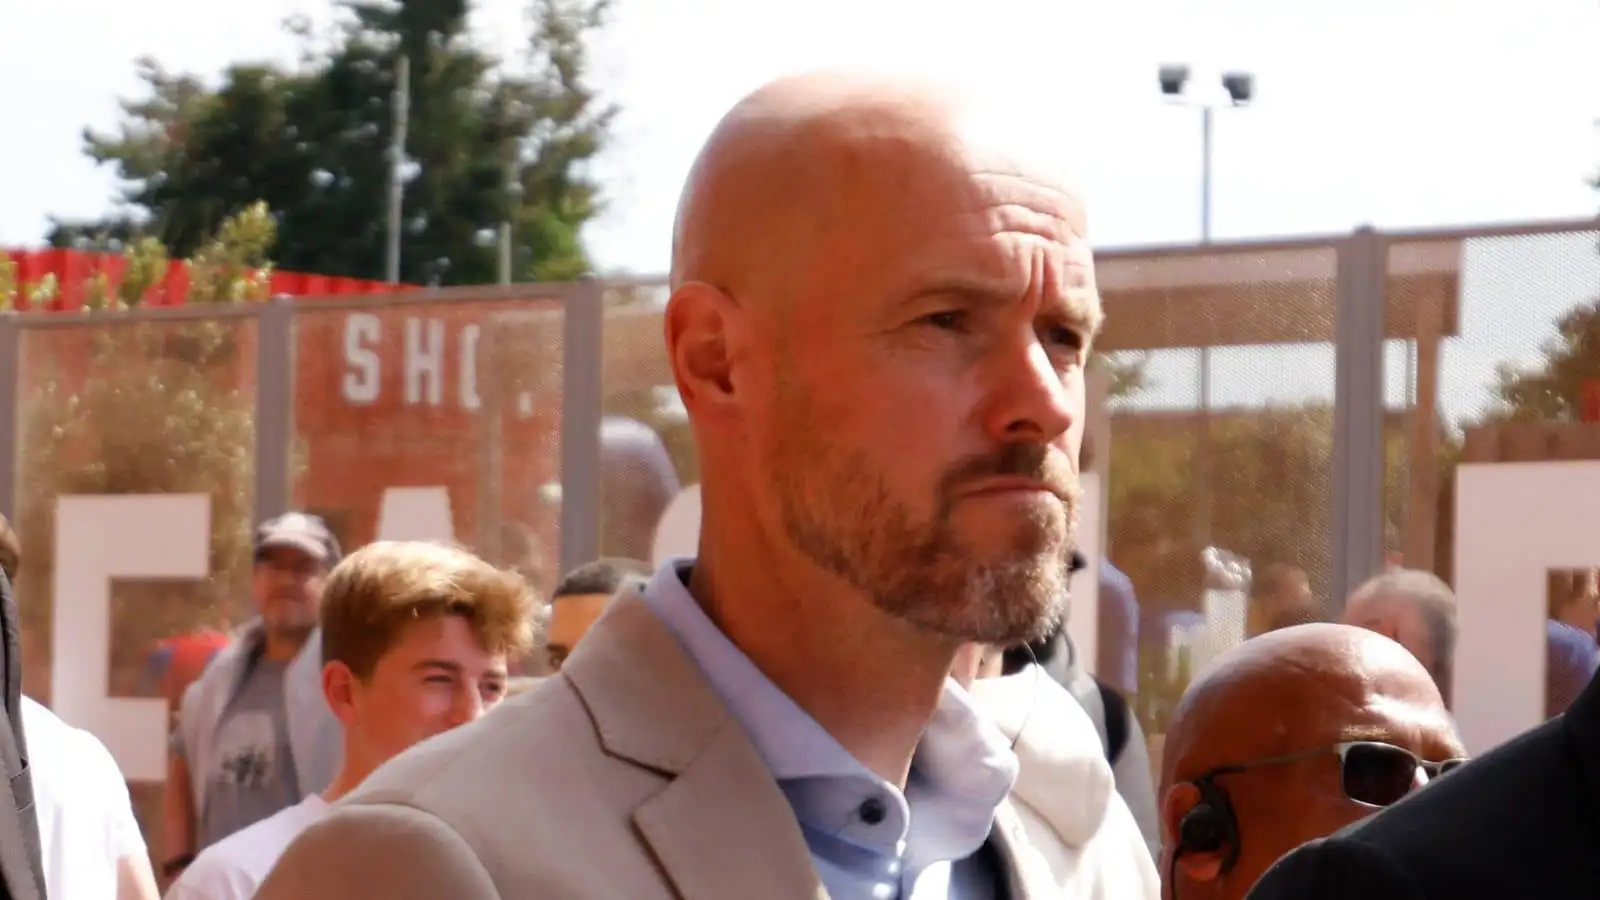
872, 811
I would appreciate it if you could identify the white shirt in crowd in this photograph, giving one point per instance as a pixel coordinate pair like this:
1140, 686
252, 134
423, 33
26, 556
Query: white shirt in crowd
86, 821
232, 868
1065, 793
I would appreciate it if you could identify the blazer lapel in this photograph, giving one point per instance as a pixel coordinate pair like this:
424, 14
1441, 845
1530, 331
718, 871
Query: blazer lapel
720, 827
1028, 876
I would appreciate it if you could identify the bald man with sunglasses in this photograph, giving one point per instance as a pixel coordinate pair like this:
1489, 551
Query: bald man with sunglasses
1290, 737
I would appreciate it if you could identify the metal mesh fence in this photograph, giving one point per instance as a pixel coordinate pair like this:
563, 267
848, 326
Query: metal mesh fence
1220, 447
394, 409
1495, 358
647, 452
458, 405
154, 407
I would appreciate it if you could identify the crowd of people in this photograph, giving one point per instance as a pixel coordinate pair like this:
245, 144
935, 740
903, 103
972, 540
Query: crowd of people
862, 685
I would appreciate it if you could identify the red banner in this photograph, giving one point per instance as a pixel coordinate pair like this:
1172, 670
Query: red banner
74, 269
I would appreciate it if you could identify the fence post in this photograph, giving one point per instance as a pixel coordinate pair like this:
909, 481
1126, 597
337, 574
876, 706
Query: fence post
274, 405
582, 393
10, 430
1357, 528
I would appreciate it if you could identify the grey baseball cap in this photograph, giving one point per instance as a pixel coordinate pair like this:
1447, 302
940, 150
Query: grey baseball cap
301, 531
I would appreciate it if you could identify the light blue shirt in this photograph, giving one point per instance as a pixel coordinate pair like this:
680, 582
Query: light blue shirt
1117, 631
1571, 659
867, 839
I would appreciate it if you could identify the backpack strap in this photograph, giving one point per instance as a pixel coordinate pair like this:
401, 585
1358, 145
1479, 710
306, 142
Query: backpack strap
1116, 721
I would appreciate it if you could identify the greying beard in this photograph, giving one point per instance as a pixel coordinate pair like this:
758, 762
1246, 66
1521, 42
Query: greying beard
920, 576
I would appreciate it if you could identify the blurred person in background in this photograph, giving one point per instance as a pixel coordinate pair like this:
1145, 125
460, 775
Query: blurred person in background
517, 685
89, 839
177, 661
1065, 793
1122, 739
582, 596
91, 842
1288, 737
1522, 821
1571, 654
1117, 622
254, 734
416, 638
1280, 597
1418, 610
638, 481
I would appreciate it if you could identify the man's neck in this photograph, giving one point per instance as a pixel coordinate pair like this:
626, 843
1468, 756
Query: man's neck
351, 774
282, 646
871, 681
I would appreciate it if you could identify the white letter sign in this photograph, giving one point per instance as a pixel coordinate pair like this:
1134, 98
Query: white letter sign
467, 379
1083, 617
100, 538
416, 514
1514, 523
424, 361
360, 382
678, 532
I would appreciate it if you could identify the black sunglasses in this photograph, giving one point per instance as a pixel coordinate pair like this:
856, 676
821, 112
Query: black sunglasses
1371, 773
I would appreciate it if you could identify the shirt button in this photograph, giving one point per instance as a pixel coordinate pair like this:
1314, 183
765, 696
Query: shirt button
872, 811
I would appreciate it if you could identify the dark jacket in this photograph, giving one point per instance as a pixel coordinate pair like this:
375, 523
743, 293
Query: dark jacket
1521, 821
21, 872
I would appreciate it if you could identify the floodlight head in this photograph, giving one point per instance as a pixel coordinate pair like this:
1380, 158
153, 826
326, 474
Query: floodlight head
1240, 87
1173, 77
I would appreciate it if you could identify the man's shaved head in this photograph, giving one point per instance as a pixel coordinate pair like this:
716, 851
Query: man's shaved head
878, 327
806, 157
1288, 692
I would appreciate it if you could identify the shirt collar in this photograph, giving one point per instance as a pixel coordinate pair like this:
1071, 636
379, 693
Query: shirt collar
791, 743
963, 769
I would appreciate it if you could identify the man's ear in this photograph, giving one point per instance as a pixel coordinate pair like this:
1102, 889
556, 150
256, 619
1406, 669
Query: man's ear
338, 689
698, 325
1196, 866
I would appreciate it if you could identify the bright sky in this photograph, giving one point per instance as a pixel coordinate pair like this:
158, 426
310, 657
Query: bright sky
1391, 112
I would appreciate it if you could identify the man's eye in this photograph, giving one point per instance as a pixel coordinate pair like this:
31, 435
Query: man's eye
950, 320
1064, 336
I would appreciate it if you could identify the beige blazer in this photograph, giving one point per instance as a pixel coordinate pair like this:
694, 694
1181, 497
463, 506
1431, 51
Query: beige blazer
622, 778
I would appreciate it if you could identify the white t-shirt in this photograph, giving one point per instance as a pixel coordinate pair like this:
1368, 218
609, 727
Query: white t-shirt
86, 820
232, 868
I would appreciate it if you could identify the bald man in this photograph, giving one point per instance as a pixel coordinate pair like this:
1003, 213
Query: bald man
1288, 737
878, 327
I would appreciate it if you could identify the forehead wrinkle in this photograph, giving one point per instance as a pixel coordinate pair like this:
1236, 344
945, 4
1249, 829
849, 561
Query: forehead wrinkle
1036, 194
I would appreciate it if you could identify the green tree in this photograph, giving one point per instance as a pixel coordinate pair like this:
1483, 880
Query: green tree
486, 143
1552, 390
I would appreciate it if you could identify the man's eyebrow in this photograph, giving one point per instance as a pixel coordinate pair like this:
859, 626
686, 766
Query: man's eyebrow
1078, 305
437, 665
966, 288
1377, 734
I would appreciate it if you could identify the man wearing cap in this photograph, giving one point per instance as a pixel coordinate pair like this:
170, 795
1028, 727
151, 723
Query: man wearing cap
254, 735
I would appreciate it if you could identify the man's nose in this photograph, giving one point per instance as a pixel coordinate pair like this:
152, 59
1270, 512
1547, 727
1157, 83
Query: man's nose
468, 707
1031, 399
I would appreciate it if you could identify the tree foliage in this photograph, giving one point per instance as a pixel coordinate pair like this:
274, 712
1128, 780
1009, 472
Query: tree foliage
486, 143
1552, 390
164, 406
1268, 477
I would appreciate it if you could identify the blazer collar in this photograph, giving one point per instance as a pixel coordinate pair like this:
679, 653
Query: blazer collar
719, 826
